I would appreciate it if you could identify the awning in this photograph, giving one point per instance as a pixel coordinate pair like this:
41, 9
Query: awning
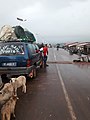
73, 44
83, 44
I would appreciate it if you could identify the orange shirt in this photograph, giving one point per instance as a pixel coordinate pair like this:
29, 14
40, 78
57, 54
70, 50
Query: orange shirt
45, 51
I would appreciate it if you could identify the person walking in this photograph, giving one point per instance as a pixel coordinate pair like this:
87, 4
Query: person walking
57, 47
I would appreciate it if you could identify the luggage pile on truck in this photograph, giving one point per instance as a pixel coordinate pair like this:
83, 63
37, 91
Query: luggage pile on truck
8, 33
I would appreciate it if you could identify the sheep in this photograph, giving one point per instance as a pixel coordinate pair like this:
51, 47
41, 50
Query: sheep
19, 82
8, 108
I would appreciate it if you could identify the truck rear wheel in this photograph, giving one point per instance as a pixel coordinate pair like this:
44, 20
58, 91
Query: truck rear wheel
33, 73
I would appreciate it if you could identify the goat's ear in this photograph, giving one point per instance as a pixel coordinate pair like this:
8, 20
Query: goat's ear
0, 92
10, 81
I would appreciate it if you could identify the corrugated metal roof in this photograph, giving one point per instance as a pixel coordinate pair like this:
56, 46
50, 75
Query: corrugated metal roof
84, 43
73, 44
70, 43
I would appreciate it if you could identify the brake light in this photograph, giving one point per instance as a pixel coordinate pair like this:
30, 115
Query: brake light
28, 63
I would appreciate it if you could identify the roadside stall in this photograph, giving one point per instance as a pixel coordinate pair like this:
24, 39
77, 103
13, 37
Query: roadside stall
84, 50
71, 45
84, 47
72, 48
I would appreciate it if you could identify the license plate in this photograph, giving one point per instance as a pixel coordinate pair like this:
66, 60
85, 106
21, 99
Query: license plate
9, 64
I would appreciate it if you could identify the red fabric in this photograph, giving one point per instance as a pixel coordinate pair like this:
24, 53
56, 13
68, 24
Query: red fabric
45, 51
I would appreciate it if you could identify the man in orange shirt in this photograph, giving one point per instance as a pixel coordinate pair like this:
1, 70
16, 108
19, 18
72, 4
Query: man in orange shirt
45, 53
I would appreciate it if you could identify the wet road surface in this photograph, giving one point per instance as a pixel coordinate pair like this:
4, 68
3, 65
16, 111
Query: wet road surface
60, 92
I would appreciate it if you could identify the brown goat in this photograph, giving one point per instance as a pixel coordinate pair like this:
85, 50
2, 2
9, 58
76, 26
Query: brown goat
8, 108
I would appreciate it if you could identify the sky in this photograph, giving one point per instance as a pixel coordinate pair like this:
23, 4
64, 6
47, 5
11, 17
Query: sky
51, 21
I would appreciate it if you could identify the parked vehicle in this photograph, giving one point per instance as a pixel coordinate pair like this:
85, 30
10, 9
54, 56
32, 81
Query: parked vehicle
18, 58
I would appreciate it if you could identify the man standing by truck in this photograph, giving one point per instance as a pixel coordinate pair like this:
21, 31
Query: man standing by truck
45, 53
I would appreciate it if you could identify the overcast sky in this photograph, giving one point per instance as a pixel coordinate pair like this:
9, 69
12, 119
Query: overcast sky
49, 20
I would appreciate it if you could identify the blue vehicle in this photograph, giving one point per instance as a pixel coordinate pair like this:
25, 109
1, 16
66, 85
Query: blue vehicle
18, 58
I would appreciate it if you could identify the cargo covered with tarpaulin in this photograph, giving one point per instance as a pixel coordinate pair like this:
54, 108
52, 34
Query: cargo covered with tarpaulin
8, 32
30, 36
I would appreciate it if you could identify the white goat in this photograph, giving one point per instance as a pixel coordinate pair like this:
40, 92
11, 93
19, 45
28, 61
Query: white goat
8, 108
19, 82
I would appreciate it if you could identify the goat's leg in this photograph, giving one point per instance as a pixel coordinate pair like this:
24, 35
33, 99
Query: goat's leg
24, 88
8, 116
13, 114
3, 116
15, 91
